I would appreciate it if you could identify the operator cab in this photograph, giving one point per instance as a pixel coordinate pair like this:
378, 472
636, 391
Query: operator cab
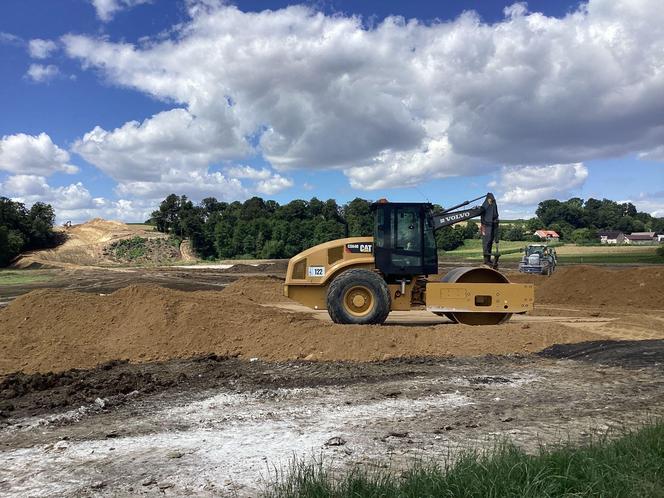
404, 239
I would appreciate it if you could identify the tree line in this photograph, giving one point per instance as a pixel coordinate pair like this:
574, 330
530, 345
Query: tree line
23, 229
258, 228
579, 221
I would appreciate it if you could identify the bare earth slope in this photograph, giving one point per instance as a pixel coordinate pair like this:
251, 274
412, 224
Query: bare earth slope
85, 244
54, 330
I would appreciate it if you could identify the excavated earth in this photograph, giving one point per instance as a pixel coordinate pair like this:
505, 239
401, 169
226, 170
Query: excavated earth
131, 384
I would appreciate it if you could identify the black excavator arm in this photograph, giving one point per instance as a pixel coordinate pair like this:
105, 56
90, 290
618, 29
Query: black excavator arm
455, 215
450, 217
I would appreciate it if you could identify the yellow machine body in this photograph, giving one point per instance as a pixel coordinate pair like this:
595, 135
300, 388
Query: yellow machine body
467, 295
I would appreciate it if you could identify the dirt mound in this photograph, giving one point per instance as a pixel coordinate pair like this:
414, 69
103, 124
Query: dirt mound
593, 286
86, 244
264, 290
624, 353
55, 330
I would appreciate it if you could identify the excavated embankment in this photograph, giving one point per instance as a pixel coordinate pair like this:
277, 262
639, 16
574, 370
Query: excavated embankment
56, 330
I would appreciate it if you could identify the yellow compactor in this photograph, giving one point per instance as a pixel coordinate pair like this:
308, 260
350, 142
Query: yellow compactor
359, 280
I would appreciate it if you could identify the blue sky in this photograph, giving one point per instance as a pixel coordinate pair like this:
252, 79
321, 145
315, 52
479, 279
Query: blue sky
108, 105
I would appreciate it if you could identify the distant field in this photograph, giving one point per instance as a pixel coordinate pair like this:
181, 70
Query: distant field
12, 277
567, 253
472, 248
142, 226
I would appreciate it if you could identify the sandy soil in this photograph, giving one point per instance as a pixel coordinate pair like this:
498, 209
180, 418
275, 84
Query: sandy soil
84, 245
416, 388
55, 330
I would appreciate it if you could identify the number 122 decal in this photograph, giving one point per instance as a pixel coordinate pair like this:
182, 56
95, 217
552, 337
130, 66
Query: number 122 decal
316, 271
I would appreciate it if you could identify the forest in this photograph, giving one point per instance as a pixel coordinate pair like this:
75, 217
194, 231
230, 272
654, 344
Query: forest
258, 228
23, 229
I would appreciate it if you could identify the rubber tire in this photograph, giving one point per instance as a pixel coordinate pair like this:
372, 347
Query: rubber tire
350, 278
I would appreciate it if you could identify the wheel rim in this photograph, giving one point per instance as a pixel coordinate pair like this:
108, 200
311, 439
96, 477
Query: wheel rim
358, 300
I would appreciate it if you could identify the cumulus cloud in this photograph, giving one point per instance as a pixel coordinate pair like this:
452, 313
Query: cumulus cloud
40, 73
73, 202
34, 188
649, 202
106, 9
249, 172
400, 102
35, 155
41, 49
273, 185
169, 152
267, 182
528, 185
174, 139
195, 184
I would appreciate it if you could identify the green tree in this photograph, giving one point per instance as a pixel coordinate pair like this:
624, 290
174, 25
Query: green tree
448, 238
514, 232
584, 236
23, 229
359, 216
471, 230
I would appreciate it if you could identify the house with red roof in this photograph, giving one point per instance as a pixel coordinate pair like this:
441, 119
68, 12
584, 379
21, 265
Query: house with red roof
550, 235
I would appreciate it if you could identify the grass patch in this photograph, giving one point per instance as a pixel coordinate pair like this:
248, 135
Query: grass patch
144, 251
130, 249
472, 248
13, 277
632, 465
567, 253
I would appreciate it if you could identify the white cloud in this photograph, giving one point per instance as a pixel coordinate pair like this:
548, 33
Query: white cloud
195, 184
528, 185
35, 188
655, 154
10, 38
40, 73
171, 140
408, 169
401, 102
36, 155
649, 202
73, 202
169, 152
267, 182
106, 9
273, 185
41, 49
249, 172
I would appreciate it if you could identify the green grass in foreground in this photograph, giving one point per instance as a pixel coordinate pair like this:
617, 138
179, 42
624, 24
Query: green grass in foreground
11, 277
473, 248
630, 466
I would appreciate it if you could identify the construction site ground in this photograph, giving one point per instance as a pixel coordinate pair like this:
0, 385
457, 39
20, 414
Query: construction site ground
205, 380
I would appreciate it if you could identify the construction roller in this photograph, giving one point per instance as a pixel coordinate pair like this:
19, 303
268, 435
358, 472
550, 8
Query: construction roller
360, 280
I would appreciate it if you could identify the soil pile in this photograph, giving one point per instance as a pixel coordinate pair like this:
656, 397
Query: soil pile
86, 244
593, 286
139, 250
56, 330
